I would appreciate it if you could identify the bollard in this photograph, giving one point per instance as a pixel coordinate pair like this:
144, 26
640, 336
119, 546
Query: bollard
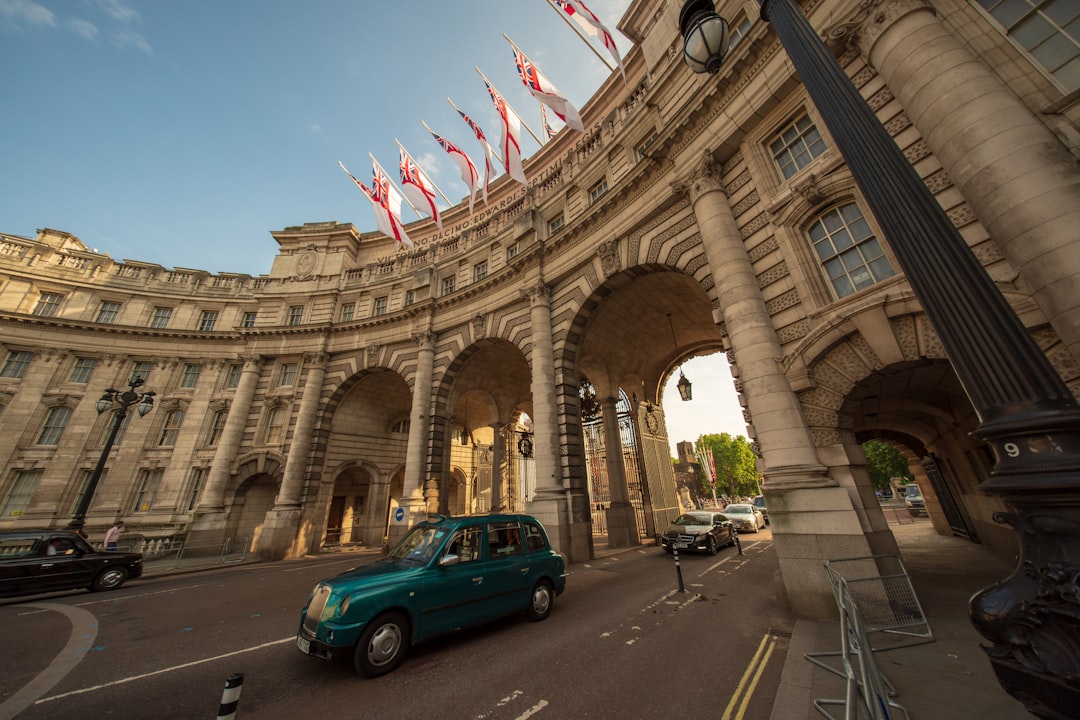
678, 570
738, 542
230, 698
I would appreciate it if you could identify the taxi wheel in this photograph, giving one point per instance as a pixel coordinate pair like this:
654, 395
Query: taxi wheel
382, 645
110, 578
543, 597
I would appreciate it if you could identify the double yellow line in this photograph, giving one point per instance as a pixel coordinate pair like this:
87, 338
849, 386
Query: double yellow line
748, 682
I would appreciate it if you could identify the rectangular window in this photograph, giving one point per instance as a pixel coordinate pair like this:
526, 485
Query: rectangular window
479, 271
288, 374
84, 482
149, 480
232, 376
108, 312
850, 255
556, 224
597, 191
208, 320
643, 146
737, 31
48, 304
217, 426
55, 422
347, 312
296, 313
796, 145
447, 285
170, 431
410, 297
248, 320
16, 363
197, 477
162, 316
1047, 30
379, 306
190, 376
512, 252
142, 369
18, 498
82, 370
275, 426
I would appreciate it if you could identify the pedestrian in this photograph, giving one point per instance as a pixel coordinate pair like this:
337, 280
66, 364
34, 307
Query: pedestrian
112, 536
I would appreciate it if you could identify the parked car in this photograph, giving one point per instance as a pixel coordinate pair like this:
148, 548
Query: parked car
446, 574
37, 561
698, 530
759, 503
913, 499
745, 517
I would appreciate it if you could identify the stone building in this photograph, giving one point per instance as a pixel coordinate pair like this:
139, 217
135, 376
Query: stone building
356, 379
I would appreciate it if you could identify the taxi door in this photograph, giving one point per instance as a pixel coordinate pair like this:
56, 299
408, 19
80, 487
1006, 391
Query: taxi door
454, 596
509, 575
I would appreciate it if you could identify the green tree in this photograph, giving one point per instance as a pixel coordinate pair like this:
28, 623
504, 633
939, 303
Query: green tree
736, 472
883, 461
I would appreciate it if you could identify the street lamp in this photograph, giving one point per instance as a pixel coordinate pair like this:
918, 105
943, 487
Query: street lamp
1027, 414
119, 402
684, 385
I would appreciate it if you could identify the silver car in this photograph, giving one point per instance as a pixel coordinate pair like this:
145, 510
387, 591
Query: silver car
745, 516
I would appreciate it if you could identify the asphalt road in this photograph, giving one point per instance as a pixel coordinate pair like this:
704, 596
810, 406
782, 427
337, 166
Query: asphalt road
622, 642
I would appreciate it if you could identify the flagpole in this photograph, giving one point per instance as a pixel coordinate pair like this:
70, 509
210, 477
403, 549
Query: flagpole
581, 35
493, 151
402, 147
403, 195
511, 107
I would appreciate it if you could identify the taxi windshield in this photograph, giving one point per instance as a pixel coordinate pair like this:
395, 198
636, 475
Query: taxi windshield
420, 544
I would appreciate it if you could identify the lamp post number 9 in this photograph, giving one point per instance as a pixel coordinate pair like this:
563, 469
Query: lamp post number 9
1011, 449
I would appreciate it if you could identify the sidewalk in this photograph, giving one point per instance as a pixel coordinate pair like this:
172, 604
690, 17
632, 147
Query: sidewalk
948, 678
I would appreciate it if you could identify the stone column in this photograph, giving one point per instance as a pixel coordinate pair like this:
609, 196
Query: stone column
412, 497
1021, 182
283, 521
549, 503
812, 517
498, 461
620, 515
210, 513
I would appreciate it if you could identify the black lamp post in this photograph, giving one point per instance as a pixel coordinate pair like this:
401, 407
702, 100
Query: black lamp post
684, 386
119, 402
1027, 414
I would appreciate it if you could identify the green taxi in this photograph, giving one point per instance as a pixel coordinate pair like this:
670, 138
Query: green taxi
447, 573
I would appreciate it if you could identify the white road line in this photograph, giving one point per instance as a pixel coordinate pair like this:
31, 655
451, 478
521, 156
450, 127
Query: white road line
140, 595
533, 710
312, 567
193, 663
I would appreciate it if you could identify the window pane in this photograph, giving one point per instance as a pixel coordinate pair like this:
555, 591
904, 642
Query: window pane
82, 370
22, 490
55, 422
1032, 31
15, 364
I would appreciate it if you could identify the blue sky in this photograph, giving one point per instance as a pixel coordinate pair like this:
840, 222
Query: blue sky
182, 133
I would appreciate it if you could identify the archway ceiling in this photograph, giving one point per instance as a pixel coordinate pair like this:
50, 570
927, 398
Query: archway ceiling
493, 382
923, 401
628, 341
376, 401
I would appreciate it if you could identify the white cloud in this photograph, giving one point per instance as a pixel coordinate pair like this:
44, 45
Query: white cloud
119, 11
83, 28
25, 11
126, 38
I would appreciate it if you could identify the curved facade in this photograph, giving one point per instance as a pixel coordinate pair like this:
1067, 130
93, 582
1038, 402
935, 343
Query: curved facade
354, 386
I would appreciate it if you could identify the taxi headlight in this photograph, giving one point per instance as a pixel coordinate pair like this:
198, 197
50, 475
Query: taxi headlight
344, 606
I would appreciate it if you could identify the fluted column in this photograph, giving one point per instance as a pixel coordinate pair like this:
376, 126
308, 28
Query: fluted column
813, 518
213, 495
1017, 177
419, 421
292, 482
620, 515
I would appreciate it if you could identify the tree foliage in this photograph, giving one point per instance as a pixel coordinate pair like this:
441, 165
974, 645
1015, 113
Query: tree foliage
883, 461
736, 471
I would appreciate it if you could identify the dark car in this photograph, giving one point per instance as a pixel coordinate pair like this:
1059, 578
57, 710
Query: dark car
698, 530
448, 573
759, 503
37, 561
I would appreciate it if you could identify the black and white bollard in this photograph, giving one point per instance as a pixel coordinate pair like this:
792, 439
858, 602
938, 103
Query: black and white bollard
230, 698
738, 542
678, 570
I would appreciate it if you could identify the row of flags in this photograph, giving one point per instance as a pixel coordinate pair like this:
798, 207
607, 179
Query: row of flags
417, 188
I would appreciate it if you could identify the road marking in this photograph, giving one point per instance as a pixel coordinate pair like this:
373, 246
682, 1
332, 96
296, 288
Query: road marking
84, 627
193, 663
752, 674
312, 567
140, 595
533, 710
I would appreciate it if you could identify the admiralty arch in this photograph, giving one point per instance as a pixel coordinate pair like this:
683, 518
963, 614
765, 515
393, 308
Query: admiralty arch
357, 386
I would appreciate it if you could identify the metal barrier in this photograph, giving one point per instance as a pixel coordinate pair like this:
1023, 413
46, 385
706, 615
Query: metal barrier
879, 611
175, 554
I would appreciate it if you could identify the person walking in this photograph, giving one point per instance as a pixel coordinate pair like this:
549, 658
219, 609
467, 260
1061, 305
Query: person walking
112, 535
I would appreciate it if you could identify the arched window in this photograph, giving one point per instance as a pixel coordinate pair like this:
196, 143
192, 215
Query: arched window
850, 255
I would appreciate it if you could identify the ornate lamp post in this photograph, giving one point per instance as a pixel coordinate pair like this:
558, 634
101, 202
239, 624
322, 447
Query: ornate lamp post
119, 402
1027, 414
